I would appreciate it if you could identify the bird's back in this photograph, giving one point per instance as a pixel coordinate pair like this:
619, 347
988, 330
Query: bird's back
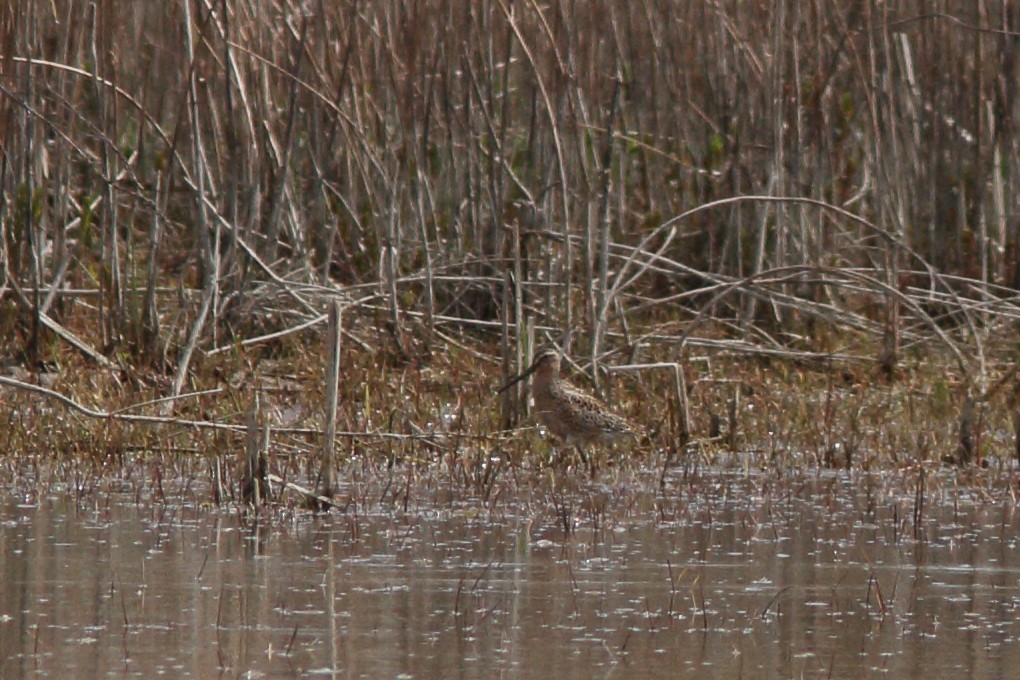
577, 417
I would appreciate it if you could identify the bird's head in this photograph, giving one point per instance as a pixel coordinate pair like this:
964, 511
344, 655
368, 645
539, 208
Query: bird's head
546, 363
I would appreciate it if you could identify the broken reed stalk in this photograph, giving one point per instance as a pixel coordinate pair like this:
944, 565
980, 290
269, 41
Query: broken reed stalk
255, 480
325, 484
919, 504
218, 492
734, 410
523, 343
508, 405
889, 355
189, 348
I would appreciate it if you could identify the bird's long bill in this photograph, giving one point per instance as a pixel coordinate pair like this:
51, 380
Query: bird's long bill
517, 379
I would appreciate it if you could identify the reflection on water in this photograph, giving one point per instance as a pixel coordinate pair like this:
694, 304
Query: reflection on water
724, 577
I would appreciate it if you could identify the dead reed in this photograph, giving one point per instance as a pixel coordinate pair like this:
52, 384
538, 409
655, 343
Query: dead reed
809, 208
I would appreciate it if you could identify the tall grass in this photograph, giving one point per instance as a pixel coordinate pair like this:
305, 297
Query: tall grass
180, 176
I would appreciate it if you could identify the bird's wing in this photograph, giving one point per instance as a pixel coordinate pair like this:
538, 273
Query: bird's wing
584, 402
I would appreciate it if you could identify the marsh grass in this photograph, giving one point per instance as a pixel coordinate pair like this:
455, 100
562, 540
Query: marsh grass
405, 429
804, 213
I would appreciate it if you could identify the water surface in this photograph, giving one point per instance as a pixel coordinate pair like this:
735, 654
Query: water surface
726, 575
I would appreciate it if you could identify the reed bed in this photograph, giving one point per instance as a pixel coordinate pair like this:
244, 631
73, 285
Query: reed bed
782, 229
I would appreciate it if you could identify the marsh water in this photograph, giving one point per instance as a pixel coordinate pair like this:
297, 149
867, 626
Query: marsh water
728, 575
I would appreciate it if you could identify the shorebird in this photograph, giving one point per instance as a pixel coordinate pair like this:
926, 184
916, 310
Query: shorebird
573, 416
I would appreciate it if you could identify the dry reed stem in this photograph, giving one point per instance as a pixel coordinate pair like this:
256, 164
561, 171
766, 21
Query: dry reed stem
325, 486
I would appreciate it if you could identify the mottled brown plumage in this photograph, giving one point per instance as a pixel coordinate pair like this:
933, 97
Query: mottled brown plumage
575, 417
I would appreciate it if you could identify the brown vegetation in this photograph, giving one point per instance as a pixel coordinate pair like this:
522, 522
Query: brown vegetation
810, 206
